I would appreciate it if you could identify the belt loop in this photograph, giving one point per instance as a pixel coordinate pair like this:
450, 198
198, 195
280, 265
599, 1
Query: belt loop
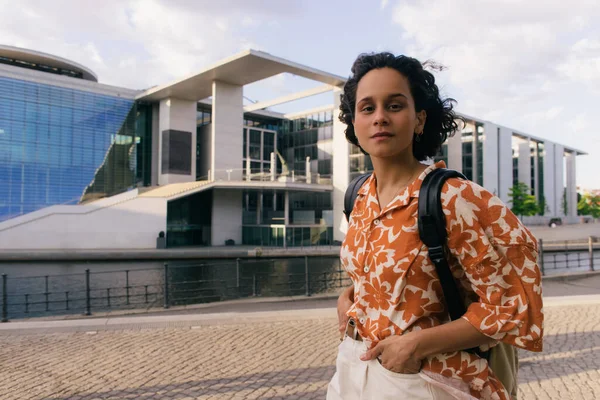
351, 323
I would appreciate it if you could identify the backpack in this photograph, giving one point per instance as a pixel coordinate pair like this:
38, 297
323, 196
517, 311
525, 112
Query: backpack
502, 358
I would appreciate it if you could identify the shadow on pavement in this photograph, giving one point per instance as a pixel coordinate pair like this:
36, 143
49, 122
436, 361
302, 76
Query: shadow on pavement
228, 387
564, 354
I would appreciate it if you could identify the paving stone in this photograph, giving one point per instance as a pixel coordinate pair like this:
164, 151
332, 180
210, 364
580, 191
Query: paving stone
279, 360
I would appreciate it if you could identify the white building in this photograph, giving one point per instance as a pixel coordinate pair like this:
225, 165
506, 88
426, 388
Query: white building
87, 165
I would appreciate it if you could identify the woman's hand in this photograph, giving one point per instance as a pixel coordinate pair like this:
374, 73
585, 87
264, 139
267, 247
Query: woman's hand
397, 354
344, 303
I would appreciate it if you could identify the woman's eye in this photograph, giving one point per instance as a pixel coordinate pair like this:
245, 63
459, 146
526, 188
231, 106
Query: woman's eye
395, 106
367, 109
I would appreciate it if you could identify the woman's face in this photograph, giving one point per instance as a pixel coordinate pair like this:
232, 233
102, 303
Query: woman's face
385, 118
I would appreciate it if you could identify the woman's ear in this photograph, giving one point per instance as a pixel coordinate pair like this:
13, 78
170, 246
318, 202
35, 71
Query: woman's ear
421, 119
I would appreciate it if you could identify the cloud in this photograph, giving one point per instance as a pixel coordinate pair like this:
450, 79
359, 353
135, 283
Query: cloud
532, 66
138, 43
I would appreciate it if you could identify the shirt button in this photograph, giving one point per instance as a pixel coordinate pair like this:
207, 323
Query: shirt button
366, 269
362, 321
377, 222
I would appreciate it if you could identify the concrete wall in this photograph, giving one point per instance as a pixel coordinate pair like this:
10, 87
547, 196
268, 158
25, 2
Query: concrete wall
549, 180
559, 186
129, 224
226, 218
227, 127
341, 172
454, 144
490, 158
205, 144
505, 181
178, 115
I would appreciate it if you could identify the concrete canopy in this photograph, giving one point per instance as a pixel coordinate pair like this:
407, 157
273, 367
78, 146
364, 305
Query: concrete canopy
241, 69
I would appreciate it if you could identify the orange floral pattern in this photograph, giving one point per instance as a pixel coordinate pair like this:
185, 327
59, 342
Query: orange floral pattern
396, 287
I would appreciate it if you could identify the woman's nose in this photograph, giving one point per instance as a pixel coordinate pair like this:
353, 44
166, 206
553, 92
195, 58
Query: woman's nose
380, 118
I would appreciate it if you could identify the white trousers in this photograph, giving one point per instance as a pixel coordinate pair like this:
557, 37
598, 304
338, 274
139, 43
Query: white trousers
355, 379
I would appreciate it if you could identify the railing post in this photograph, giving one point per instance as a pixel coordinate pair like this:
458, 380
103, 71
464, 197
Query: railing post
237, 273
88, 303
307, 276
127, 286
541, 256
4, 299
166, 289
591, 252
254, 285
67, 300
46, 293
26, 304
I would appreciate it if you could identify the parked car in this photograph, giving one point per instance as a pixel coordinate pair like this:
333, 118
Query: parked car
554, 222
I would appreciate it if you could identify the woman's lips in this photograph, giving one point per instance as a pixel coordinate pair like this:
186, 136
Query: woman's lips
382, 135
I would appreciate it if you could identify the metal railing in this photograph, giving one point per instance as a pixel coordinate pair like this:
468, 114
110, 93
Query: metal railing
185, 284
173, 285
265, 175
569, 255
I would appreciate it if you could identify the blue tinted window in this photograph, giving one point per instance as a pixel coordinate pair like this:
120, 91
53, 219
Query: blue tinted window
55, 141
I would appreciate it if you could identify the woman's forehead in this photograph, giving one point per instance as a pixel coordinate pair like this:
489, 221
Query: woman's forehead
382, 82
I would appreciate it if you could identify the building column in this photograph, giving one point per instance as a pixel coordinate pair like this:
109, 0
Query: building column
491, 164
505, 164
559, 183
549, 179
177, 141
454, 144
536, 171
341, 171
227, 130
226, 218
571, 185
259, 208
524, 163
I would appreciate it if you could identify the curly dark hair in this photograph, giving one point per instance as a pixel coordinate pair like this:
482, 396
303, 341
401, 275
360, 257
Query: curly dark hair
441, 118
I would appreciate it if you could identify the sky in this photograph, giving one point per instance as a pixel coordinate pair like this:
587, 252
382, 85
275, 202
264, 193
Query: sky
533, 66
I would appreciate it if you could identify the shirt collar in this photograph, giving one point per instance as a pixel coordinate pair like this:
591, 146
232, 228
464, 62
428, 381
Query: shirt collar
402, 198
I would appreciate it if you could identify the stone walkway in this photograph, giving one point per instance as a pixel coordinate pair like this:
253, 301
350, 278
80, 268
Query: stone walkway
267, 355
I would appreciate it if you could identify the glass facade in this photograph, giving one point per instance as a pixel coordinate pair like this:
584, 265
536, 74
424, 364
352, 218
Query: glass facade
62, 146
189, 220
292, 236
309, 136
472, 151
258, 146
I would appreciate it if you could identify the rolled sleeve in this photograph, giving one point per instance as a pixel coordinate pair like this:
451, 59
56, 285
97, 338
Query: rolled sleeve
499, 258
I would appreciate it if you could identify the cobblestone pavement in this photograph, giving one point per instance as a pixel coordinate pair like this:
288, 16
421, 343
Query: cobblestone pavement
285, 359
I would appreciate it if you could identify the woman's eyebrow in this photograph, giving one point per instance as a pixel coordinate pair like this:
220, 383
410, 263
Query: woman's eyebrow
397, 95
391, 96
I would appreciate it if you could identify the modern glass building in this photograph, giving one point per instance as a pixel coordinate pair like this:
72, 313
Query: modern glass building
60, 145
88, 165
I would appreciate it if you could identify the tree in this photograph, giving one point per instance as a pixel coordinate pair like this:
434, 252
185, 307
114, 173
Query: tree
589, 205
565, 203
523, 203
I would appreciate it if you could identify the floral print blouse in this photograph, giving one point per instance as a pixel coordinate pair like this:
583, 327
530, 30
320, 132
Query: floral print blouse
396, 287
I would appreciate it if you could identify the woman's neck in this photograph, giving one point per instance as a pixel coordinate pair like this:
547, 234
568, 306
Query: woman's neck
395, 171
393, 175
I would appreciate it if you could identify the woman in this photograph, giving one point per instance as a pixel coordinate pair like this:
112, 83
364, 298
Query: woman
399, 342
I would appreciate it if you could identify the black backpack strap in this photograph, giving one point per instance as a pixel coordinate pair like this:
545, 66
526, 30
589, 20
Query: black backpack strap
432, 230
352, 193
